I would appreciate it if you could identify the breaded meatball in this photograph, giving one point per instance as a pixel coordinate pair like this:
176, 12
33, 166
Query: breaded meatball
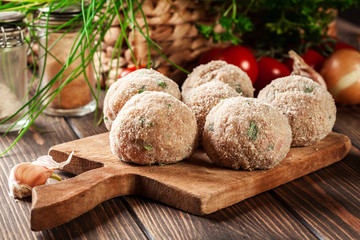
134, 83
218, 71
244, 133
205, 97
310, 109
154, 128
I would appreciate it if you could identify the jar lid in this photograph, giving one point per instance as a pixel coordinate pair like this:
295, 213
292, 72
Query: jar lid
72, 9
11, 29
60, 15
10, 17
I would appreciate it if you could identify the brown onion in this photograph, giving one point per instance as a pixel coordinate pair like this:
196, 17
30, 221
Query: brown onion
341, 72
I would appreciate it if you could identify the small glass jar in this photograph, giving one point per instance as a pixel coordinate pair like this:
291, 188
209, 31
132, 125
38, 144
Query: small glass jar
76, 98
13, 71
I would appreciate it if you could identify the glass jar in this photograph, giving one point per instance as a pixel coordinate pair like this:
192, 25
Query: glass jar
13, 71
76, 98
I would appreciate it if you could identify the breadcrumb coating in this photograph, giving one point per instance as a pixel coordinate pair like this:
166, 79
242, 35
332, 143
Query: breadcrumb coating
309, 107
132, 84
244, 133
205, 97
218, 71
154, 128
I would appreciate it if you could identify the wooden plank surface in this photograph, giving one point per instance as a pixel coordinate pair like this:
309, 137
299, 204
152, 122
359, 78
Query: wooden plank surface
14, 222
328, 199
348, 123
259, 217
323, 205
111, 220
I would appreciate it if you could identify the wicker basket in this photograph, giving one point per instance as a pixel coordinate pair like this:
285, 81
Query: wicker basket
171, 25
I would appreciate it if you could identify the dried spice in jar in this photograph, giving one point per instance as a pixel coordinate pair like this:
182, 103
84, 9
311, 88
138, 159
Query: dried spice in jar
13, 74
57, 44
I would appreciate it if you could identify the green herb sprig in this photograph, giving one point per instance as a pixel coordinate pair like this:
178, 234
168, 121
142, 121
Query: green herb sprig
271, 27
97, 17
253, 131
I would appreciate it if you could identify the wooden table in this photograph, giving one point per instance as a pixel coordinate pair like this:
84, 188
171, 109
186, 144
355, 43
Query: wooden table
322, 205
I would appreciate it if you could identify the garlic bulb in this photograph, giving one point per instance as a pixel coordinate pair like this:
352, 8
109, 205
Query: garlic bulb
24, 176
300, 67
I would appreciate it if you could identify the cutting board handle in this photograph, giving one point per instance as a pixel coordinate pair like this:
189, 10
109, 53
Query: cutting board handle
55, 204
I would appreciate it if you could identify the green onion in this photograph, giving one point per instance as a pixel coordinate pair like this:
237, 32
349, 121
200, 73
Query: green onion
162, 84
142, 89
142, 120
253, 131
308, 90
148, 148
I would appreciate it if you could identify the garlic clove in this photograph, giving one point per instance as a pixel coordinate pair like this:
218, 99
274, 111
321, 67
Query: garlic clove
48, 161
24, 176
31, 174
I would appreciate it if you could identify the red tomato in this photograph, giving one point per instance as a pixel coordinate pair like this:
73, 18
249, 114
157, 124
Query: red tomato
210, 55
289, 62
241, 57
313, 59
335, 44
269, 69
342, 45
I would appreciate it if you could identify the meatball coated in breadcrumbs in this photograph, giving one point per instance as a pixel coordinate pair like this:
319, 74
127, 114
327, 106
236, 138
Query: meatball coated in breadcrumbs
244, 133
218, 71
134, 83
310, 109
205, 97
154, 128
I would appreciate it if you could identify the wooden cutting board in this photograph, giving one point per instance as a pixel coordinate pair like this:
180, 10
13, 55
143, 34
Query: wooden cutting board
193, 185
